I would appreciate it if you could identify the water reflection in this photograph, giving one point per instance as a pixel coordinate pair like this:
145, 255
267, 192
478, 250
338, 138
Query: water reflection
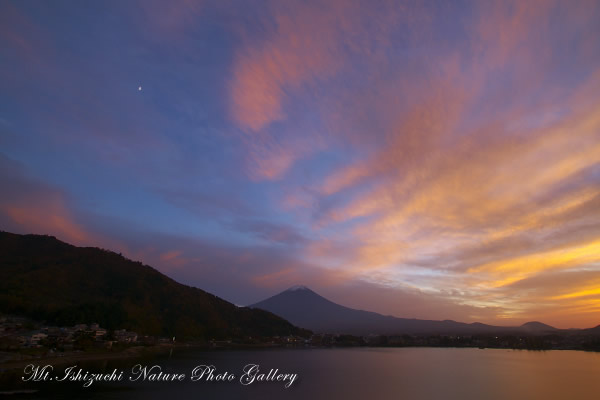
358, 373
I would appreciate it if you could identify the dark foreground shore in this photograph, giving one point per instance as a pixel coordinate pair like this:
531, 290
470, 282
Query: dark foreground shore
77, 356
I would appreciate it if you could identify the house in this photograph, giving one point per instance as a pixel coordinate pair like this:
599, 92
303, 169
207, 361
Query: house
100, 333
123, 336
35, 339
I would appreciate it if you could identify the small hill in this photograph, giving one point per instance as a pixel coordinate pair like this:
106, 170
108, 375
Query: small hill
591, 331
49, 280
537, 327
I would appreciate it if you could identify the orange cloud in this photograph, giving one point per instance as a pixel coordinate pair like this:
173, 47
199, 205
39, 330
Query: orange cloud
468, 185
55, 221
31, 206
305, 45
170, 255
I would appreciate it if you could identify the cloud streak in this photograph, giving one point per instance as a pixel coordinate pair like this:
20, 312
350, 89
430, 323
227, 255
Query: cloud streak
414, 158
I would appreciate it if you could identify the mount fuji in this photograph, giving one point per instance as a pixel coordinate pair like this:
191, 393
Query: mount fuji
303, 307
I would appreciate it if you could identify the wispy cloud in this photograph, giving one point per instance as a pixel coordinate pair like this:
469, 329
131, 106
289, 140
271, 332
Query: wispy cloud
442, 155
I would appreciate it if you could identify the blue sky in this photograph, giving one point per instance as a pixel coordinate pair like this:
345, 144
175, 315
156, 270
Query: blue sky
420, 159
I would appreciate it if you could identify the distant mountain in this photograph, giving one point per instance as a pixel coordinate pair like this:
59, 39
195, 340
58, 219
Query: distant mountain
537, 327
46, 279
591, 331
305, 308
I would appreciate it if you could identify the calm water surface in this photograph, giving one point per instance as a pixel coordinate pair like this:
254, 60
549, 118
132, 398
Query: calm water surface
359, 373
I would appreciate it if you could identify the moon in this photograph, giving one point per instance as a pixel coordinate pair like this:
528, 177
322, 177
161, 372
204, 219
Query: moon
139, 88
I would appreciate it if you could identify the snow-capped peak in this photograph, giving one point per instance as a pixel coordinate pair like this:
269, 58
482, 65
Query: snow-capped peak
297, 287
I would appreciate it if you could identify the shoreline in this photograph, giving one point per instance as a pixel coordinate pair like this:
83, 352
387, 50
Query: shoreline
141, 351
131, 352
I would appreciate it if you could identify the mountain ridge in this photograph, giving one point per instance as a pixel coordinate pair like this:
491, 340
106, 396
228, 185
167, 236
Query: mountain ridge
325, 316
46, 279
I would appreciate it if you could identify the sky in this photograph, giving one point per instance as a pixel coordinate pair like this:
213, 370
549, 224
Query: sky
422, 159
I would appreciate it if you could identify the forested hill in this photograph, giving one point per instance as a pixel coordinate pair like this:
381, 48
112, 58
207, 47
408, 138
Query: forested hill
49, 280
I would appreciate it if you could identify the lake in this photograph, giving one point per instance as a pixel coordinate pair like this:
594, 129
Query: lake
351, 373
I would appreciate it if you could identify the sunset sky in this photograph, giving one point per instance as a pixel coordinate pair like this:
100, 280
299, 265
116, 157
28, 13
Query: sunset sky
435, 160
